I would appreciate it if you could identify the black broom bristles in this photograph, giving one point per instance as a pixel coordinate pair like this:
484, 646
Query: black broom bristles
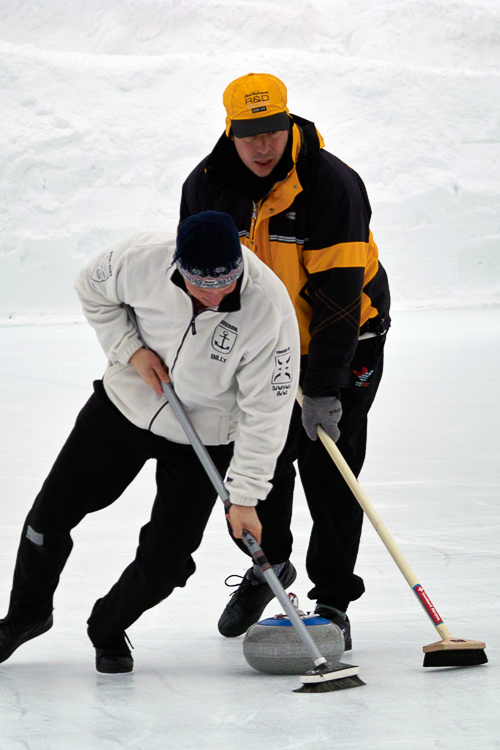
328, 677
460, 657
328, 686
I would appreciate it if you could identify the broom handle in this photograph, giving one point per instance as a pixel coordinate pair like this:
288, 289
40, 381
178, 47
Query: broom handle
251, 543
380, 528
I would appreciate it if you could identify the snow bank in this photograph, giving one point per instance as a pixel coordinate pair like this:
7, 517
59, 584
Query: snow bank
106, 107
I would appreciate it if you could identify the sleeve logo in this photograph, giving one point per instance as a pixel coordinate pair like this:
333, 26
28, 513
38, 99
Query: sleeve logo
104, 271
282, 373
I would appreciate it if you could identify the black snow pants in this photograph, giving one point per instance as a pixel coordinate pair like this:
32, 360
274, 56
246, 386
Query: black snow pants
101, 457
336, 515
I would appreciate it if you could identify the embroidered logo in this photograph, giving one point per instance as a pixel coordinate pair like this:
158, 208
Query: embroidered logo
256, 97
104, 271
224, 337
282, 373
292, 215
363, 376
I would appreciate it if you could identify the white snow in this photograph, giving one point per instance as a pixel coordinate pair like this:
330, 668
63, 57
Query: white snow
106, 105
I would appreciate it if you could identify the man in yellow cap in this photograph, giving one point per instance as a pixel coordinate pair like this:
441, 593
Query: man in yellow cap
306, 214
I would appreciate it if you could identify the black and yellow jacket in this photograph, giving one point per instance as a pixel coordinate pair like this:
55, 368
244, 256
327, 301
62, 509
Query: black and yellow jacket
312, 227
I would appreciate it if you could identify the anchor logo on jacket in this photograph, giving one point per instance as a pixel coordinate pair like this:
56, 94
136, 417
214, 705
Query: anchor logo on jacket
223, 339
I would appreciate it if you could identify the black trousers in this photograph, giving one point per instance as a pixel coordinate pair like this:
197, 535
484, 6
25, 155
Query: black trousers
336, 515
101, 457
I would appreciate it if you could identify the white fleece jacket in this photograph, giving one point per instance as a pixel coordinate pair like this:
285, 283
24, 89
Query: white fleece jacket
236, 372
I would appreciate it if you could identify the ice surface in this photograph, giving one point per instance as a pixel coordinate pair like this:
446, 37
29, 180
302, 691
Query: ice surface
433, 475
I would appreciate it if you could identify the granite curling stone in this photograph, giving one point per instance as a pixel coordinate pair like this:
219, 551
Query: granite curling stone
273, 645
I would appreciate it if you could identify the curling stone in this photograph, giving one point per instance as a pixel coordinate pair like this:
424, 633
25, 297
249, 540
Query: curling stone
273, 645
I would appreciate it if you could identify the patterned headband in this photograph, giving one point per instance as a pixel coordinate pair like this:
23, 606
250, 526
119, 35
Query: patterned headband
224, 277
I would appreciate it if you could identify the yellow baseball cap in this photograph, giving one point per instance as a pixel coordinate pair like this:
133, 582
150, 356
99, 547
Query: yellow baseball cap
256, 103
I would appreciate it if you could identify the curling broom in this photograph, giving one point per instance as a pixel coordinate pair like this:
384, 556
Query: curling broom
449, 651
324, 677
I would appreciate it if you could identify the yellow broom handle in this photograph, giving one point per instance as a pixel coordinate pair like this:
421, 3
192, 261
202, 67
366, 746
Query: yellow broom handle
379, 527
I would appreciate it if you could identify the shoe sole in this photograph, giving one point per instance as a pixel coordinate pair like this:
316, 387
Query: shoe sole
29, 636
115, 671
286, 583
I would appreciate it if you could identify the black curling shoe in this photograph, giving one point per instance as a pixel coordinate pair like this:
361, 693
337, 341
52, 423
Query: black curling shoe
249, 601
338, 618
115, 657
12, 636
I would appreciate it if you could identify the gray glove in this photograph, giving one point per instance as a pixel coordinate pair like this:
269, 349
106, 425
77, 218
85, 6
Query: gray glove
321, 410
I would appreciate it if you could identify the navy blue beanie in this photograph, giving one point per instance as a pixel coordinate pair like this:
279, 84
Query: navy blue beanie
208, 251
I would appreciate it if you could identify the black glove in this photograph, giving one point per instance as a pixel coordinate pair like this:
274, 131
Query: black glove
321, 410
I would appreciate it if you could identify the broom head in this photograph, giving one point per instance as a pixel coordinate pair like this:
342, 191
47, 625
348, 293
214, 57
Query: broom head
455, 652
329, 677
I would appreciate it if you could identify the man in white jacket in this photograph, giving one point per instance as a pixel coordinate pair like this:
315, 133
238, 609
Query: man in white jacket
220, 325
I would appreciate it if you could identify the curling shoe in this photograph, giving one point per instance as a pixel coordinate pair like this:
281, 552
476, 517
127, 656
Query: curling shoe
249, 601
338, 618
115, 657
12, 636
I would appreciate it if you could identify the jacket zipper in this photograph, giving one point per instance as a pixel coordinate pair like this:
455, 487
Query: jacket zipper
256, 206
191, 326
255, 211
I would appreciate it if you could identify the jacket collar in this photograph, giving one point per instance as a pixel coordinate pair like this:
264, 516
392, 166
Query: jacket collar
222, 171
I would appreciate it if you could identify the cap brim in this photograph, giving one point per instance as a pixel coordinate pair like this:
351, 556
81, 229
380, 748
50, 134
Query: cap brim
244, 128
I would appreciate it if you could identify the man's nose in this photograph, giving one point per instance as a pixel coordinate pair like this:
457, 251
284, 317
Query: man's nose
263, 143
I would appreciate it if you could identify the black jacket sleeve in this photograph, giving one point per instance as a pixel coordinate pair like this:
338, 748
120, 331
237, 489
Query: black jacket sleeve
335, 254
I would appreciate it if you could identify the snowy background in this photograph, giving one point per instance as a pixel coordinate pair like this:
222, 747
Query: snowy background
106, 105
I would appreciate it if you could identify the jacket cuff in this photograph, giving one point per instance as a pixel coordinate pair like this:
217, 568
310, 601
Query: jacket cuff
326, 382
237, 499
131, 348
